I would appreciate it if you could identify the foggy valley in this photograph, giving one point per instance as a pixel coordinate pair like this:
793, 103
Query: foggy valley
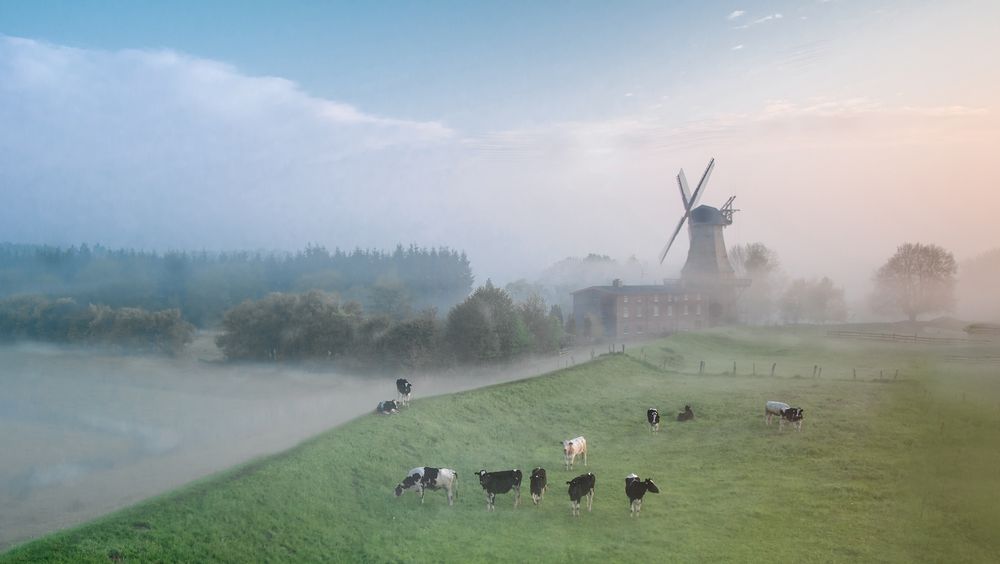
85, 433
634, 231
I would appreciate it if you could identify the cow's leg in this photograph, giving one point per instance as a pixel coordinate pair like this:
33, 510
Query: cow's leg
451, 494
421, 491
585, 458
517, 496
590, 500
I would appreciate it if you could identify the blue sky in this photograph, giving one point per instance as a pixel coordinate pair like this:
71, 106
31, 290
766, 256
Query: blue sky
523, 132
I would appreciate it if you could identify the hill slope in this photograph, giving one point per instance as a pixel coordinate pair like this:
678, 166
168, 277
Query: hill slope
859, 483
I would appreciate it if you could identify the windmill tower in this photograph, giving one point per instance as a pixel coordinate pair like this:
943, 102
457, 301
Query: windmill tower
707, 260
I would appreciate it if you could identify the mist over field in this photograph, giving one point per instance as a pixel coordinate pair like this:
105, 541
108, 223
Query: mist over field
227, 228
84, 433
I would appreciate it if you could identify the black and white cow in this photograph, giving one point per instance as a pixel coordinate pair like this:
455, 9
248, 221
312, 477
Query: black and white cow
582, 485
404, 388
784, 413
427, 478
653, 416
500, 482
387, 407
686, 415
635, 490
539, 483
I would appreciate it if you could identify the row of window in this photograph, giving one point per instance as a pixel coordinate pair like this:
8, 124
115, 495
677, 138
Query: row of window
656, 310
670, 298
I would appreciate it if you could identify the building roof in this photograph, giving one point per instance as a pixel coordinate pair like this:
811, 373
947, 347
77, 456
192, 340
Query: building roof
636, 289
670, 285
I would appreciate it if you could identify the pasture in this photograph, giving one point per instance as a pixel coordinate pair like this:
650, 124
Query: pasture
885, 469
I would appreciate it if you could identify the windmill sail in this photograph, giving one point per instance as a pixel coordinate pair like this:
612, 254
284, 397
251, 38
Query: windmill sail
690, 202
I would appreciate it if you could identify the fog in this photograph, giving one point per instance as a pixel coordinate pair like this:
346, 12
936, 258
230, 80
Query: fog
160, 149
83, 433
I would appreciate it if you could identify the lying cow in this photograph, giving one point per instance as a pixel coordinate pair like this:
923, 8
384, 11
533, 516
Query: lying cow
427, 478
582, 485
538, 485
653, 416
500, 482
635, 490
387, 407
686, 415
572, 448
784, 413
404, 388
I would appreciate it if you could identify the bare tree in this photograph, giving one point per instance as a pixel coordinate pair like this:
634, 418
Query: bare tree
917, 279
760, 264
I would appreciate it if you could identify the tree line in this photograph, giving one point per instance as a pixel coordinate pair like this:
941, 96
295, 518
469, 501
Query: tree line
203, 285
63, 320
488, 326
917, 279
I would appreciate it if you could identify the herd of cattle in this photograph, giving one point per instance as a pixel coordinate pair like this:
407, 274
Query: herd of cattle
494, 483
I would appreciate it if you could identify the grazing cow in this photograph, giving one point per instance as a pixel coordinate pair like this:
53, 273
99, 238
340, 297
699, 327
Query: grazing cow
572, 448
427, 478
686, 415
582, 485
784, 413
500, 483
538, 484
653, 417
387, 407
635, 490
404, 388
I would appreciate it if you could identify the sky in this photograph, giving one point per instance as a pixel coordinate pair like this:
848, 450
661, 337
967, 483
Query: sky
520, 132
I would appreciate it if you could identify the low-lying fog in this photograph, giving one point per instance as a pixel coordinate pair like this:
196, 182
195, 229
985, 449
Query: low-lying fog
83, 433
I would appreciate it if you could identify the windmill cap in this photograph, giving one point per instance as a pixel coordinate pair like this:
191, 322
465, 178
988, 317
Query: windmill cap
707, 214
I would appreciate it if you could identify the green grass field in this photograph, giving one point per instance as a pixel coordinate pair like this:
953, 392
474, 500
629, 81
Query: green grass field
895, 470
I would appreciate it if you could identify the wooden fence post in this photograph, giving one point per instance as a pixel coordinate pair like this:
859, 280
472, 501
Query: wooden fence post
772, 369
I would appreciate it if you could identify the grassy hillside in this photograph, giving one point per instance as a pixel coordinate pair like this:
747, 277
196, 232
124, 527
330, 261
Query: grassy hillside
896, 471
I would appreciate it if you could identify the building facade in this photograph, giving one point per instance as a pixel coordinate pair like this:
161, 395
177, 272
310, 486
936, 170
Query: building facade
620, 311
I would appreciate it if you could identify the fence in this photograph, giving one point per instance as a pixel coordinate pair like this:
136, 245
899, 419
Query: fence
893, 337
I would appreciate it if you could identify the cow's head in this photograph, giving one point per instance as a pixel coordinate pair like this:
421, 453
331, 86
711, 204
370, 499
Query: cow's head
650, 486
399, 490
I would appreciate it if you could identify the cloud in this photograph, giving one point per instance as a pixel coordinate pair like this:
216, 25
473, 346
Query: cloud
737, 47
735, 14
159, 148
759, 21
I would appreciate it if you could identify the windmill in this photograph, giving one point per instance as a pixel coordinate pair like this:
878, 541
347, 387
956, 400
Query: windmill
707, 260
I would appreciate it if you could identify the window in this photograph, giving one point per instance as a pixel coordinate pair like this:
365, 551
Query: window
638, 312
656, 311
625, 330
670, 311
639, 330
625, 312
625, 299
638, 300
697, 309
656, 299
686, 309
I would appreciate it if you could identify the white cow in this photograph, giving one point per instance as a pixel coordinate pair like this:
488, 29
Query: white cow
572, 448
